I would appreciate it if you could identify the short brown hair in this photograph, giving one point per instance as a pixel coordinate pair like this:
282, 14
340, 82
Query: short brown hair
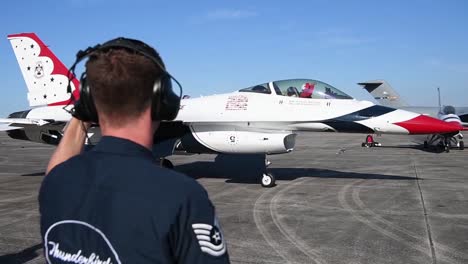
121, 83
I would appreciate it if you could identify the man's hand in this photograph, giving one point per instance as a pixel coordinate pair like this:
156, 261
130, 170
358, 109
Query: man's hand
71, 144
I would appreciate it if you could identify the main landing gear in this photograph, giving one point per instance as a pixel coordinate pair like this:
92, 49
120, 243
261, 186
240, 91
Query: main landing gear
445, 142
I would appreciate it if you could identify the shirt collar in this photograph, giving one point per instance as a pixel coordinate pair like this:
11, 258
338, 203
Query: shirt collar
122, 146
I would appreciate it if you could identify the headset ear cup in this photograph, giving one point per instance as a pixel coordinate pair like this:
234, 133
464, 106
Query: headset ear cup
166, 103
155, 101
85, 109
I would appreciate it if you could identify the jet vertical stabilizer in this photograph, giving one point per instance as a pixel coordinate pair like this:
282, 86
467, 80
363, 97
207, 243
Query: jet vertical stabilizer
45, 75
383, 93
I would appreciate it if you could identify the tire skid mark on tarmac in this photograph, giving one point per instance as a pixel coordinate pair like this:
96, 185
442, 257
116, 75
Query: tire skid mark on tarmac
453, 216
4, 212
18, 199
436, 245
228, 190
343, 201
421, 239
388, 233
223, 191
20, 210
320, 202
263, 229
243, 261
274, 234
313, 254
18, 220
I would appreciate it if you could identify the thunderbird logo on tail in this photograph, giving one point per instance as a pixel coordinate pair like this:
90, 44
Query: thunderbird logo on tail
38, 70
45, 75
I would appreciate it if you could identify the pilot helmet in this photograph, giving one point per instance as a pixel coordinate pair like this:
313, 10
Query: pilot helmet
448, 110
307, 85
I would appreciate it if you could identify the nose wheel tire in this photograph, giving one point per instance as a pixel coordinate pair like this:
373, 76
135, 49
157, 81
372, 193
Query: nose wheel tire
268, 180
447, 145
461, 145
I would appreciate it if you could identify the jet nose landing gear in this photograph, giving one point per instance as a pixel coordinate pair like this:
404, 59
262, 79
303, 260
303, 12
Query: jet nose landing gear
268, 180
445, 142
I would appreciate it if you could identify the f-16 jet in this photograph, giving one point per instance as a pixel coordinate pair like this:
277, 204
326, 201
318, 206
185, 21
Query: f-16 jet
260, 119
385, 95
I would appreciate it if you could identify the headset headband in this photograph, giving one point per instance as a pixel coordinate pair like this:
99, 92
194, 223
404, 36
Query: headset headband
125, 43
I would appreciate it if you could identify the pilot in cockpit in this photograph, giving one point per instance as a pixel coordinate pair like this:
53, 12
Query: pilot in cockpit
292, 91
307, 90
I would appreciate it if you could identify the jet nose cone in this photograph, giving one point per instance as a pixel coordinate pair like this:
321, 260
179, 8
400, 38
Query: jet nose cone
428, 125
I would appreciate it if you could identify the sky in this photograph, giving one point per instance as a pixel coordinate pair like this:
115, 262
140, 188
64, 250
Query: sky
214, 47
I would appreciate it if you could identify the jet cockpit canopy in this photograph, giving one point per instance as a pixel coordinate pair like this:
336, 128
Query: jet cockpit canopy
304, 88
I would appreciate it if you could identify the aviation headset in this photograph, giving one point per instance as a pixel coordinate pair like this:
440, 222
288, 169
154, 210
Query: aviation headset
165, 103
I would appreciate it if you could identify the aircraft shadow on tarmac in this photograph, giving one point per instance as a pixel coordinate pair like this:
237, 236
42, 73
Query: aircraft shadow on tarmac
23, 256
247, 168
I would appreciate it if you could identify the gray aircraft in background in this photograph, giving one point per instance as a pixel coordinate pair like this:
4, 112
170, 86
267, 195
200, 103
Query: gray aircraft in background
385, 95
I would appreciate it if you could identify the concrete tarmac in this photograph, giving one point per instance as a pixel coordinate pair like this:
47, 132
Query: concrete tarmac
335, 202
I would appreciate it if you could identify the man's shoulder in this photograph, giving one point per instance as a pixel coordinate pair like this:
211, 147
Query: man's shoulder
74, 164
128, 173
70, 171
141, 172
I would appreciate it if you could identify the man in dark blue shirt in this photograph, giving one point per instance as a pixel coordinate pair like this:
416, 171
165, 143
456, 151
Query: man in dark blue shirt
115, 204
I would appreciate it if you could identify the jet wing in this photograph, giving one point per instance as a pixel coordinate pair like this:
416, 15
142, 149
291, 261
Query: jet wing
7, 124
24, 121
7, 127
